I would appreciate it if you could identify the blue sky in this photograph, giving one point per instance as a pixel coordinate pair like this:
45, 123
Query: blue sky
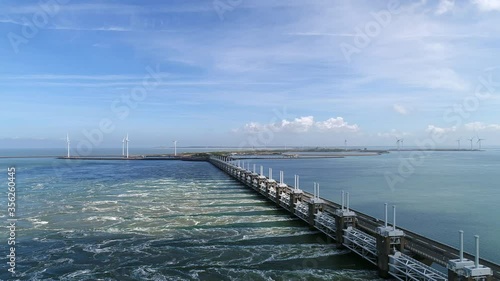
249, 73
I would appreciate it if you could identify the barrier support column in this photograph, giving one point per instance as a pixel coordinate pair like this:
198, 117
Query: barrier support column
389, 240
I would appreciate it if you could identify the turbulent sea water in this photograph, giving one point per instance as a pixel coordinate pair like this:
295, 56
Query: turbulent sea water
158, 220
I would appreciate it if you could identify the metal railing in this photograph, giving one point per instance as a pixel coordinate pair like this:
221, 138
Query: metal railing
404, 268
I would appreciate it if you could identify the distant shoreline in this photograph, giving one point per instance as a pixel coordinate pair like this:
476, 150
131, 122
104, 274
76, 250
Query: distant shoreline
279, 153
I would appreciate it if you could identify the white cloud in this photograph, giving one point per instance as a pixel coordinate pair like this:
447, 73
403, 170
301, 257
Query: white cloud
488, 5
336, 124
393, 134
445, 78
400, 109
298, 125
445, 6
480, 126
301, 125
439, 130
251, 127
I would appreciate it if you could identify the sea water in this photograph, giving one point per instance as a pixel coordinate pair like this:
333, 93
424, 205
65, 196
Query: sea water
436, 193
161, 220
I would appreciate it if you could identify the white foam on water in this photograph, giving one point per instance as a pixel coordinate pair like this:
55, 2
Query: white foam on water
253, 255
96, 249
164, 181
133, 195
142, 229
148, 273
64, 261
224, 220
115, 230
37, 222
293, 274
270, 233
102, 202
39, 186
101, 210
104, 218
143, 218
71, 276
101, 206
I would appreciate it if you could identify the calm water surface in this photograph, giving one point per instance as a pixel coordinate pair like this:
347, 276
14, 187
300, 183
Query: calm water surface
445, 192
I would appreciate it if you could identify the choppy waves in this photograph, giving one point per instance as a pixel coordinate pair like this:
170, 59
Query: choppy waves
166, 222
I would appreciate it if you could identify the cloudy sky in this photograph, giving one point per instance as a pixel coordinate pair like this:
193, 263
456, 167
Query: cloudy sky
253, 73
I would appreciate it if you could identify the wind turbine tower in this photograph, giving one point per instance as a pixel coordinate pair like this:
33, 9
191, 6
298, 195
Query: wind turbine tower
398, 142
458, 141
67, 142
123, 147
471, 142
479, 142
175, 147
345, 145
126, 142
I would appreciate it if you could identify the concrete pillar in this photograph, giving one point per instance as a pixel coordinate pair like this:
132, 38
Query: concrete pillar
388, 238
254, 176
313, 210
453, 276
383, 252
259, 181
339, 225
294, 197
279, 189
343, 220
291, 208
270, 185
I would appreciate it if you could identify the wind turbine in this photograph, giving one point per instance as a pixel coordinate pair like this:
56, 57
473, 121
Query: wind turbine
67, 142
458, 141
479, 142
123, 147
175, 147
471, 142
126, 142
397, 142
